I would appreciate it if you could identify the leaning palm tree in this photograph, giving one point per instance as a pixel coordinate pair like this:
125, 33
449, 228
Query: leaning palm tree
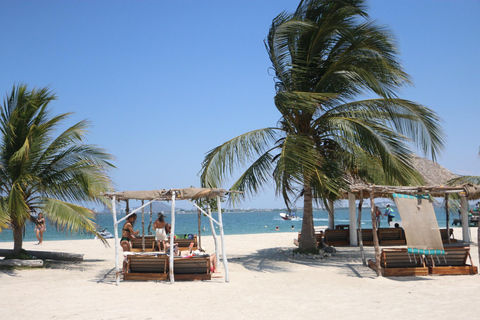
325, 55
43, 172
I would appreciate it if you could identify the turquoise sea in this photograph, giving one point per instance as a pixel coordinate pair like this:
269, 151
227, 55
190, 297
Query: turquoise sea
234, 223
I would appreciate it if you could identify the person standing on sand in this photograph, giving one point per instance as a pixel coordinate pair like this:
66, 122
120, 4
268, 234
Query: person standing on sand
390, 214
127, 235
160, 232
40, 227
378, 215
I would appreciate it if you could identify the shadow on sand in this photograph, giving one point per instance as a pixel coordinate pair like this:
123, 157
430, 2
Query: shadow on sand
347, 261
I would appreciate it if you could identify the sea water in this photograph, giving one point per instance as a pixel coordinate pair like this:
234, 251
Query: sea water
238, 222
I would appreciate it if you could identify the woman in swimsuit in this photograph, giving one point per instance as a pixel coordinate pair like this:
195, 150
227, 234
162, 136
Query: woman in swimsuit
160, 232
40, 227
127, 235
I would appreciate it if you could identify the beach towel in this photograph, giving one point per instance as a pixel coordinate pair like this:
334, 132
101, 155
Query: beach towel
420, 224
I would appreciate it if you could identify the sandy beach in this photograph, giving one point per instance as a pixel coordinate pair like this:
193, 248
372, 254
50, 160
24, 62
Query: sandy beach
265, 283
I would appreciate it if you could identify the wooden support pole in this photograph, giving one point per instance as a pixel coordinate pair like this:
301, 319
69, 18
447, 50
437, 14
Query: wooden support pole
172, 236
465, 222
222, 237
352, 217
359, 226
115, 232
331, 214
199, 228
447, 217
143, 227
151, 218
374, 231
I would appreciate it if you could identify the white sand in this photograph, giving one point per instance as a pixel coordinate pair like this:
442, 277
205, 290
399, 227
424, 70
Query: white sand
264, 284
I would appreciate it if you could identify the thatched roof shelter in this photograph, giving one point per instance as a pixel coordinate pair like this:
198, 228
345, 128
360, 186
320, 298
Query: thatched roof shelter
433, 173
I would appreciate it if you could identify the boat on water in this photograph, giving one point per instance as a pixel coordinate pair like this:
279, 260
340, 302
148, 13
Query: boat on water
105, 234
288, 216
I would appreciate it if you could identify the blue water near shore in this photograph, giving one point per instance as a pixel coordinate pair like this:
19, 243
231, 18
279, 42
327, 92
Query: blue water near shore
234, 223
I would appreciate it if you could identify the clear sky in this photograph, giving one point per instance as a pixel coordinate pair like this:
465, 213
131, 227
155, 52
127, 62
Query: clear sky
163, 82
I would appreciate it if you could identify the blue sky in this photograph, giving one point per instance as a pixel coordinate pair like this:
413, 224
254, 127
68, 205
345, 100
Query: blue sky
163, 82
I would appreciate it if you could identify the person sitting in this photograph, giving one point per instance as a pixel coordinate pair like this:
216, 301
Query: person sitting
200, 253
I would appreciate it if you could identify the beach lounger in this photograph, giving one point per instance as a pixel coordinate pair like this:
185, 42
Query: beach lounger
149, 244
398, 262
339, 237
192, 268
391, 236
367, 237
146, 267
183, 244
453, 263
443, 233
318, 237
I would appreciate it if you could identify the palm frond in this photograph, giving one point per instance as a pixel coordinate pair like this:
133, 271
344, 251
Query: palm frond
234, 153
70, 218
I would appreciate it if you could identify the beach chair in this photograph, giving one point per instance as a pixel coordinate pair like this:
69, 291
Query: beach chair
146, 267
183, 244
391, 236
443, 233
367, 237
454, 262
192, 268
339, 237
398, 262
149, 244
318, 237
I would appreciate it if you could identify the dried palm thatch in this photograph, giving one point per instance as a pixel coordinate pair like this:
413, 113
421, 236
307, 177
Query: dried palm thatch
433, 173
435, 176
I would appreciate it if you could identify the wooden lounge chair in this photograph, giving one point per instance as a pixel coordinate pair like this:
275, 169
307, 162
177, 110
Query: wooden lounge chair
146, 267
337, 237
391, 236
183, 244
192, 268
367, 237
443, 233
149, 244
318, 237
398, 262
453, 263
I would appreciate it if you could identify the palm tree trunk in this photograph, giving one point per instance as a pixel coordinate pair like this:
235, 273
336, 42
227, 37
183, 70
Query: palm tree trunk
17, 239
307, 240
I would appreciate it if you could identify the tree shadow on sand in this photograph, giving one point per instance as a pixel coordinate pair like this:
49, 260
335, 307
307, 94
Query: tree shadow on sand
347, 261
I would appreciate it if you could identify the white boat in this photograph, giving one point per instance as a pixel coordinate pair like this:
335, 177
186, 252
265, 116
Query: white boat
288, 216
105, 234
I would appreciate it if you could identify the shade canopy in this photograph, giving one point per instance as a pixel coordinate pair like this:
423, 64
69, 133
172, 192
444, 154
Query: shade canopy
180, 194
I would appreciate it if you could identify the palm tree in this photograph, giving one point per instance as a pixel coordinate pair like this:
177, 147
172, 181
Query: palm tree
40, 172
325, 55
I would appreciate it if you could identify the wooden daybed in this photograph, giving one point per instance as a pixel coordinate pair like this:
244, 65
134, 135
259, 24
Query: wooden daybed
455, 262
144, 267
398, 262
151, 245
337, 237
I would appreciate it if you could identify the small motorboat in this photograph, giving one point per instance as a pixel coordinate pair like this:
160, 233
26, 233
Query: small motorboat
105, 234
287, 216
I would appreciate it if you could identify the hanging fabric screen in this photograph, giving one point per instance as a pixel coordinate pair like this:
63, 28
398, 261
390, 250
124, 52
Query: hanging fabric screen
420, 224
